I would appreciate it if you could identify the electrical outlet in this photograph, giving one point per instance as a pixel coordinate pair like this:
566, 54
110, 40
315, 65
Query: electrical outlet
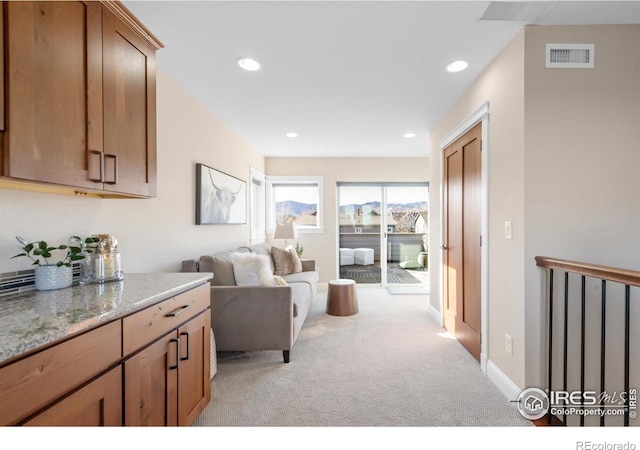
508, 344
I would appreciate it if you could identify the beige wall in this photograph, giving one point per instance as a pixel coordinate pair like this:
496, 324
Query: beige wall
502, 85
562, 168
323, 247
156, 234
582, 183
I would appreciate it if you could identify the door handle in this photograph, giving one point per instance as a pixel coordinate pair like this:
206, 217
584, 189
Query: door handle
444, 247
115, 169
100, 156
177, 342
186, 335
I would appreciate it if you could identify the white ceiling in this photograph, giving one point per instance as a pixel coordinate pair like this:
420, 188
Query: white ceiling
350, 77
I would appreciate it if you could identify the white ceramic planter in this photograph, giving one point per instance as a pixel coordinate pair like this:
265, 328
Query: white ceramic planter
53, 277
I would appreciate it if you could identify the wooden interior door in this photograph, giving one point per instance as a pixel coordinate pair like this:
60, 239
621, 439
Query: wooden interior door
462, 239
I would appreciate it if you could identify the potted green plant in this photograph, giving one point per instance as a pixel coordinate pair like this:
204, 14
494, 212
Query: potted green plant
52, 275
299, 249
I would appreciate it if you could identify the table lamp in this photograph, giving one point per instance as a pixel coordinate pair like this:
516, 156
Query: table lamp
285, 231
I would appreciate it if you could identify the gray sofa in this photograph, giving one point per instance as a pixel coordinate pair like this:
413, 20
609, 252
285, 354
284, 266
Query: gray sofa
249, 318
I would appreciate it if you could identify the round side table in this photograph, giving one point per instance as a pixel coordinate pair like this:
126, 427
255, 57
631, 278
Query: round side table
342, 298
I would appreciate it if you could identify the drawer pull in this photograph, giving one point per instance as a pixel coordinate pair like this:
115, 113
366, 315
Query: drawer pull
176, 312
177, 342
185, 358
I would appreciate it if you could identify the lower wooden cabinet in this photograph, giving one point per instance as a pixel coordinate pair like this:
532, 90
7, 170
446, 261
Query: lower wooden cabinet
38, 381
148, 368
167, 360
151, 389
194, 383
167, 383
99, 403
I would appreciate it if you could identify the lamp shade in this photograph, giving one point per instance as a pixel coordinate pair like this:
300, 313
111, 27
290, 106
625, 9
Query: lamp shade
285, 231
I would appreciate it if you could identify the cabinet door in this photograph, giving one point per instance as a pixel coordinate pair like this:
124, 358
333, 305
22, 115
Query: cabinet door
54, 92
1, 73
37, 381
129, 110
150, 384
99, 403
194, 385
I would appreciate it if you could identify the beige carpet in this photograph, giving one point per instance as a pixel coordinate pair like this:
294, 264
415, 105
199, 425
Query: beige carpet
388, 366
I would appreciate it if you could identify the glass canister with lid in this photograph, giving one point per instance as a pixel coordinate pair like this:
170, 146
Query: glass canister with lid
102, 261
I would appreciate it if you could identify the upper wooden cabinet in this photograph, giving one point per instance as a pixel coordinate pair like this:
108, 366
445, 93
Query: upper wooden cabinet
80, 107
129, 86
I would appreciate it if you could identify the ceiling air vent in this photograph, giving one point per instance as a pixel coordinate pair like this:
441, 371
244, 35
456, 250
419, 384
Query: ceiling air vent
530, 12
569, 56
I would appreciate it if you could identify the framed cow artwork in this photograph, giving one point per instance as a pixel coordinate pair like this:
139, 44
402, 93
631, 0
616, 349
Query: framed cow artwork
220, 198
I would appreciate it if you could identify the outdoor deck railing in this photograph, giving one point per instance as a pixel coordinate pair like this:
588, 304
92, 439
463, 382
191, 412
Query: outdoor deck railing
603, 275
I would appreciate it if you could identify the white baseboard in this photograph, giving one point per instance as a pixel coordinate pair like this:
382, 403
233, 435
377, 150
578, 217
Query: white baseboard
435, 314
510, 390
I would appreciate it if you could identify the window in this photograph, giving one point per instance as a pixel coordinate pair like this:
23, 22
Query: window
257, 192
295, 199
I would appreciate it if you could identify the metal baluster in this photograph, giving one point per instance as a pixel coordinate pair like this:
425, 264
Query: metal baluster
550, 337
566, 342
603, 328
582, 345
627, 310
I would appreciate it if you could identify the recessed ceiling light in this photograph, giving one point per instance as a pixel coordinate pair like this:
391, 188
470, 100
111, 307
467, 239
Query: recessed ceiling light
410, 135
291, 135
249, 64
457, 66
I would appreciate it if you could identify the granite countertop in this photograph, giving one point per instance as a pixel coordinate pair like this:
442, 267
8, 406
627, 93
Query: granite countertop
38, 318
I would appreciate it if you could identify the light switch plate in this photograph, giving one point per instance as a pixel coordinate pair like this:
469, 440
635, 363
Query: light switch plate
507, 230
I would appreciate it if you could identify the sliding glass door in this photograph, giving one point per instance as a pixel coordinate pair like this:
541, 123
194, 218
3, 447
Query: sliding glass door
361, 251
406, 234
382, 232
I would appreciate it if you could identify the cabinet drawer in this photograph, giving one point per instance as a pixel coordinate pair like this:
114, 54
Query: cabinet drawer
35, 381
145, 326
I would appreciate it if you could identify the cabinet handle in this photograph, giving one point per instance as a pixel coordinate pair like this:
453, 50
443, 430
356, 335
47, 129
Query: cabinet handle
177, 342
115, 169
101, 164
184, 333
176, 312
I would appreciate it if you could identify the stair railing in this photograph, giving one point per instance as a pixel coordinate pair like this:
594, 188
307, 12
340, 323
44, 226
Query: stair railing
603, 274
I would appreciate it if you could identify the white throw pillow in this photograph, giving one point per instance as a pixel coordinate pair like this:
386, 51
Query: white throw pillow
252, 270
